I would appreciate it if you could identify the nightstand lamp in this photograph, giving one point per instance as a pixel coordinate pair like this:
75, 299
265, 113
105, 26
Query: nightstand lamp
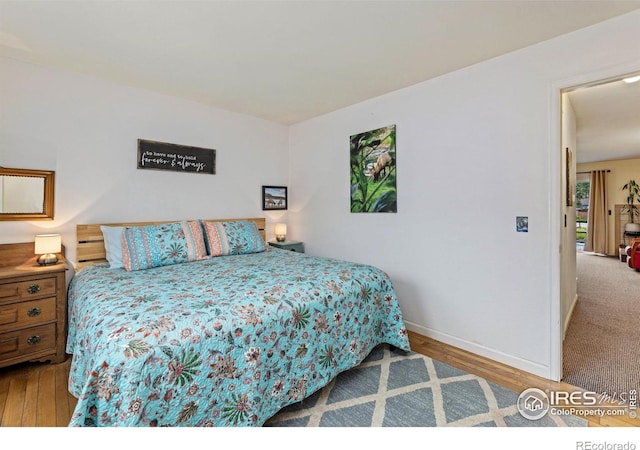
281, 232
47, 245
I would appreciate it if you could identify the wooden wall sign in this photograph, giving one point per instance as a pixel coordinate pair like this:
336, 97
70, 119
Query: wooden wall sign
177, 158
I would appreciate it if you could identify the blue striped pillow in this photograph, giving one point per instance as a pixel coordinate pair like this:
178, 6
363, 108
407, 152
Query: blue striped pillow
144, 247
233, 238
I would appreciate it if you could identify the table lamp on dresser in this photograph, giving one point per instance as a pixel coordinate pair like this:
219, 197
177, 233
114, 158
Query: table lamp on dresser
47, 245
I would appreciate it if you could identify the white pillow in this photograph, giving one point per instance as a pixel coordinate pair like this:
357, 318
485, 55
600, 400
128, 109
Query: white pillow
113, 245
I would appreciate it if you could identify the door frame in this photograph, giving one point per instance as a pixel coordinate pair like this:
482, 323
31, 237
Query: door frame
556, 222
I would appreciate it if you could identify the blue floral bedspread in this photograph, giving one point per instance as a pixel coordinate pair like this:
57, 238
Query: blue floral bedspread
226, 341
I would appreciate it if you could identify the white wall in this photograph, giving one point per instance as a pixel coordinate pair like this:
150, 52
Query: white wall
86, 130
475, 149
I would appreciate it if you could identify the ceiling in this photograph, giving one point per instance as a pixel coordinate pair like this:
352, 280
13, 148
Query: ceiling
284, 61
608, 121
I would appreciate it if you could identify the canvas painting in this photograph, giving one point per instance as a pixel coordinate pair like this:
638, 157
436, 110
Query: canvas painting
373, 171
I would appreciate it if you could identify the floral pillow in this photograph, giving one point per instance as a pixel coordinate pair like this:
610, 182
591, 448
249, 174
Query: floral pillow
144, 247
233, 238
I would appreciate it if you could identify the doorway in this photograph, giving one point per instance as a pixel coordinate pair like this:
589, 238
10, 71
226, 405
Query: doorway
575, 213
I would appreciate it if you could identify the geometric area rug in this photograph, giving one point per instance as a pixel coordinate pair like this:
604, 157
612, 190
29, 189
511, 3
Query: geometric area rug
393, 388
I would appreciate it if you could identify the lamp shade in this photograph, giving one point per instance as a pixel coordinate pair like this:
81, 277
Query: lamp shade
281, 232
48, 243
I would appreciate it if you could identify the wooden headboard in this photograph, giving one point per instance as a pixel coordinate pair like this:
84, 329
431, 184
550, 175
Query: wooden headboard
90, 242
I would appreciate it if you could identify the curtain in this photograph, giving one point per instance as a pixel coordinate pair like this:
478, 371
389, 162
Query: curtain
597, 239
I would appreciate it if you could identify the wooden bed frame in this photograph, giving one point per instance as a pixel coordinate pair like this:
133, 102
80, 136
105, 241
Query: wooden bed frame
90, 242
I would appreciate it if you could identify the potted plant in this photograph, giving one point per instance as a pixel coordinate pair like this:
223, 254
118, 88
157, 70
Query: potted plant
633, 196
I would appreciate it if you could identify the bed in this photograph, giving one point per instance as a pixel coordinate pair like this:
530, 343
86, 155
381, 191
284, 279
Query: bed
220, 340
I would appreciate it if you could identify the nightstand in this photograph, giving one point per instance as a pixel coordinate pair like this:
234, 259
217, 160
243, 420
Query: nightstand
294, 246
33, 307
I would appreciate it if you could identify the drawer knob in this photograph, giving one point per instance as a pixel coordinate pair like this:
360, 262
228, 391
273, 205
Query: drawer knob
33, 289
34, 312
33, 340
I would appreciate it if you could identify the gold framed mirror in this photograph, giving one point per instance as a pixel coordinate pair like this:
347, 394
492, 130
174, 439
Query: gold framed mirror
26, 194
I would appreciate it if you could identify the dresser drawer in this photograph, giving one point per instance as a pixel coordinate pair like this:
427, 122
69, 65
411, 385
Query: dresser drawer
24, 290
27, 314
36, 341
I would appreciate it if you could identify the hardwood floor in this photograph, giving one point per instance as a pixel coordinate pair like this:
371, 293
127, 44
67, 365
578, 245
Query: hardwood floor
35, 395
506, 376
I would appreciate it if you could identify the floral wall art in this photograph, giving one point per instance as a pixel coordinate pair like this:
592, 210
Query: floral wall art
373, 171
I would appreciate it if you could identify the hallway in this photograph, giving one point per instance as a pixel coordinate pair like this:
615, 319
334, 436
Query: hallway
601, 350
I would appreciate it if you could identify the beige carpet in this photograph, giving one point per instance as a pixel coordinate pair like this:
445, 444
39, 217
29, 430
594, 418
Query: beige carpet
601, 351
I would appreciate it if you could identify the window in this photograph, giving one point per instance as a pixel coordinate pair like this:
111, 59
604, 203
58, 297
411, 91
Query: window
583, 187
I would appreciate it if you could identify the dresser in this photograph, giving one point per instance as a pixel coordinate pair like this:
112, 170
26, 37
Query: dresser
33, 307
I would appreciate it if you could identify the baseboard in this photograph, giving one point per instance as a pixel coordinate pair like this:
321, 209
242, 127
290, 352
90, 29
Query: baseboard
568, 318
486, 352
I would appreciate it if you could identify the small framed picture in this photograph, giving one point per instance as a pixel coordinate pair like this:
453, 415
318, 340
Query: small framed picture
522, 224
274, 197
570, 184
